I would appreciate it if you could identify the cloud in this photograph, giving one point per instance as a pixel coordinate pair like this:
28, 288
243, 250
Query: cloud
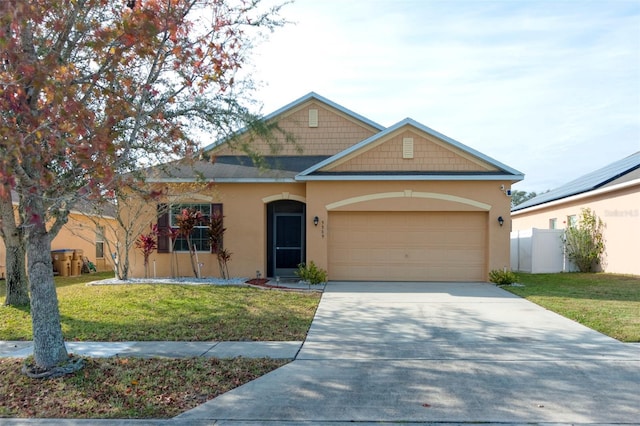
550, 88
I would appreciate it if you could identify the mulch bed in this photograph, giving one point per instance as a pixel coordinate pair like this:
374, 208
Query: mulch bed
262, 282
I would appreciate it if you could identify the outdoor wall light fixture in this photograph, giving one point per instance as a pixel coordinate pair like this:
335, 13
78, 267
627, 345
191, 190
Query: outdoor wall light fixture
316, 220
500, 220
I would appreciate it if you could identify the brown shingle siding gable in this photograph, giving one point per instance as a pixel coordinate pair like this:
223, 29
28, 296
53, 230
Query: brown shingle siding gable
429, 155
335, 132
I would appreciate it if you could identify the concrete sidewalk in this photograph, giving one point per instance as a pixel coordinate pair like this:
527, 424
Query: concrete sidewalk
275, 350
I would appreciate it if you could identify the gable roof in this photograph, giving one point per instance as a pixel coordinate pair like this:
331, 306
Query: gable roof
230, 167
292, 105
503, 171
589, 182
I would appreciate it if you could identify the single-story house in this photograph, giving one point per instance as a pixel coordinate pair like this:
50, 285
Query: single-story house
87, 231
612, 192
364, 202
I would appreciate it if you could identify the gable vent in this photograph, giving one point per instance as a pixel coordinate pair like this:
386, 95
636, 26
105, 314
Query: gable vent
407, 147
313, 118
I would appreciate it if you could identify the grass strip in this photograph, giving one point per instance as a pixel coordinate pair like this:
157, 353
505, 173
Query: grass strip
110, 388
608, 303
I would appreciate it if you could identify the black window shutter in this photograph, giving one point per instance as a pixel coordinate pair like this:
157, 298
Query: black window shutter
216, 211
164, 240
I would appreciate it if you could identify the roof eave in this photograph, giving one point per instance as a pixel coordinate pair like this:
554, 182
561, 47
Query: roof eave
334, 178
574, 197
224, 180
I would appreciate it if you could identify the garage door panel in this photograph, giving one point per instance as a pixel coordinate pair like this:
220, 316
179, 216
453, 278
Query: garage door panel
400, 246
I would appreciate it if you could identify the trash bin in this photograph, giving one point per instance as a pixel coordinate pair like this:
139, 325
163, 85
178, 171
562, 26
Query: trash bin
76, 262
62, 261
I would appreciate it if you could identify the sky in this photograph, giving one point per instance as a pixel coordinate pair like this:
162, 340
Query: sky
550, 88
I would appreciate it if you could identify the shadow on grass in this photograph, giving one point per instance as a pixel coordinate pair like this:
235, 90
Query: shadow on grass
173, 313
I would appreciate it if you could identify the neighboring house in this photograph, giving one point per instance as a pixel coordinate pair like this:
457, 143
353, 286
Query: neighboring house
85, 230
362, 201
613, 193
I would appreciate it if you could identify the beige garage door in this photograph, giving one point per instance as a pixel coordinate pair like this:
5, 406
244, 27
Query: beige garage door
407, 246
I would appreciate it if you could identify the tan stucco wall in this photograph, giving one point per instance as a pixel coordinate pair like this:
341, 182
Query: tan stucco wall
78, 233
335, 132
244, 209
245, 217
409, 196
619, 209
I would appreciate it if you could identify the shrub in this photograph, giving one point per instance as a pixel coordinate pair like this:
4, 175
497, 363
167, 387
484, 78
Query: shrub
147, 243
216, 237
584, 243
502, 277
311, 273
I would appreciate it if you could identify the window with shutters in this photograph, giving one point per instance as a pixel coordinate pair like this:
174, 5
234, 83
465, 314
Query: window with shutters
167, 223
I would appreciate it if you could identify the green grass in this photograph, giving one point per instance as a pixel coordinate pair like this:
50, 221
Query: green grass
607, 303
169, 312
149, 388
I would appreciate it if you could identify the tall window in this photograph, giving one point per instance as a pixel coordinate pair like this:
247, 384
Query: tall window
553, 223
99, 242
572, 220
200, 234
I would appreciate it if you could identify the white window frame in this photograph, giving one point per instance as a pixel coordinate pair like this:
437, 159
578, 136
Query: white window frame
202, 242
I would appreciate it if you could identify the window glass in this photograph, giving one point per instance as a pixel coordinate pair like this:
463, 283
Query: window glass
99, 242
200, 234
553, 223
572, 220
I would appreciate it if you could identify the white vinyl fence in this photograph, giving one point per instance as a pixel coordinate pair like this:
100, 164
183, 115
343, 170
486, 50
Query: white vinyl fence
539, 251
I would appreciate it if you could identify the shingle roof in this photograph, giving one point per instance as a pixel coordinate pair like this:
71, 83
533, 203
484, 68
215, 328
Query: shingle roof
235, 168
84, 206
586, 183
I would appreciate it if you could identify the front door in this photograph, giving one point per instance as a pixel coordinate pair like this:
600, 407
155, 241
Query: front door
288, 247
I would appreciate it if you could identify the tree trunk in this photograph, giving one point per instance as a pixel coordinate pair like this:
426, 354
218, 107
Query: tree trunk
15, 273
16, 277
48, 344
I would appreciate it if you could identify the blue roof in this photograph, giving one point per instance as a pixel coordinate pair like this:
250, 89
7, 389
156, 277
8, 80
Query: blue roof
586, 183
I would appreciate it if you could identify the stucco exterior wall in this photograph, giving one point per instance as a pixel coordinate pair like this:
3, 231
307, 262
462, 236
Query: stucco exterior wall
409, 196
619, 209
244, 210
244, 207
78, 233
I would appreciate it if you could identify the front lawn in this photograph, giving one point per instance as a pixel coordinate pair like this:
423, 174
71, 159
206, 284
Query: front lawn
607, 303
149, 388
170, 312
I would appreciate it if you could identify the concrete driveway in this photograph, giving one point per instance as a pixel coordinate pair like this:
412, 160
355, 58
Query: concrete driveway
440, 352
